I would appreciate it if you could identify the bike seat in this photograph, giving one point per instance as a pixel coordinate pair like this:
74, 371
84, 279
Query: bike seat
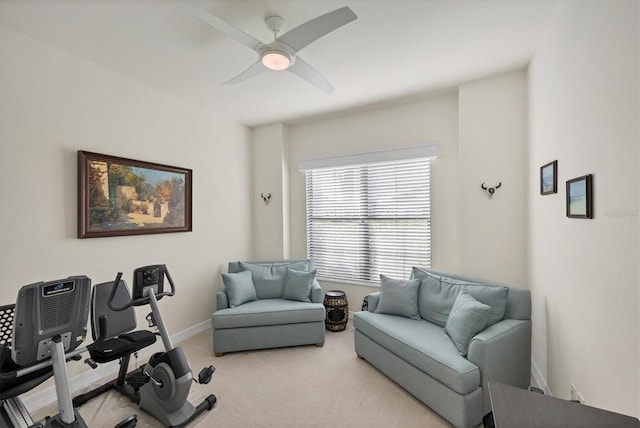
117, 347
111, 329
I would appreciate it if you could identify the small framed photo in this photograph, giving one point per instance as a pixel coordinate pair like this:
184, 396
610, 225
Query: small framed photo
580, 197
549, 178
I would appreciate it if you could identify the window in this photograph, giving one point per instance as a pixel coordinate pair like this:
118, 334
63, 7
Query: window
364, 220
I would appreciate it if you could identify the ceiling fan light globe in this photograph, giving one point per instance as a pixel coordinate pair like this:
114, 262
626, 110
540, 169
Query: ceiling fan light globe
276, 60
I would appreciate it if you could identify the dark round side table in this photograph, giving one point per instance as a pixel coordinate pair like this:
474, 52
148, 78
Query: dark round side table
337, 310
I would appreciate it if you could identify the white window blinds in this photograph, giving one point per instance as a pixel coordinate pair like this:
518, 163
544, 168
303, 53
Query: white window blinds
364, 220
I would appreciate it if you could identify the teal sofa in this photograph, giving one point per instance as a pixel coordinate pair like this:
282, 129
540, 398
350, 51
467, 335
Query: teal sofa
268, 304
443, 346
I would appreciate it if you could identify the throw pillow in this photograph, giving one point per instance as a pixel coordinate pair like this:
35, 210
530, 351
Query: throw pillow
468, 317
297, 285
439, 292
399, 297
436, 297
493, 296
239, 288
269, 278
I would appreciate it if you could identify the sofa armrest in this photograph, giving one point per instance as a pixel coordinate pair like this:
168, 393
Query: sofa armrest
317, 296
222, 300
373, 300
503, 354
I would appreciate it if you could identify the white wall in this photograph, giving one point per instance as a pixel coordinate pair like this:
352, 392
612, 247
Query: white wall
270, 221
584, 96
492, 150
468, 228
53, 104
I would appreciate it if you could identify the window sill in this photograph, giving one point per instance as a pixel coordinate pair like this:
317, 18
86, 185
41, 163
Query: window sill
348, 281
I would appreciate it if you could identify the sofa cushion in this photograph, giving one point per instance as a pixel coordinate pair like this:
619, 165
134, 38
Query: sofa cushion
268, 312
436, 298
398, 297
297, 285
239, 288
307, 263
422, 344
438, 293
268, 278
493, 296
468, 317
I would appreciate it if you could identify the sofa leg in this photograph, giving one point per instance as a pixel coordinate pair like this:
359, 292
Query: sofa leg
218, 354
360, 356
319, 345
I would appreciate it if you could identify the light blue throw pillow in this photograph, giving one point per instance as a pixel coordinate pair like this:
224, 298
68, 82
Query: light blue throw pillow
399, 297
239, 288
269, 278
494, 296
436, 298
297, 285
468, 317
438, 294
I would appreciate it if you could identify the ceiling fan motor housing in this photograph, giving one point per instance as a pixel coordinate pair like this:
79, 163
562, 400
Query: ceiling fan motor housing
277, 56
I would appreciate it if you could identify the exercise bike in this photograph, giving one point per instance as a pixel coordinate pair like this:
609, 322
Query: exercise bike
38, 335
161, 386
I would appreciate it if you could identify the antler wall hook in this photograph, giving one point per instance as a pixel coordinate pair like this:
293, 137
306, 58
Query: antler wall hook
490, 190
266, 198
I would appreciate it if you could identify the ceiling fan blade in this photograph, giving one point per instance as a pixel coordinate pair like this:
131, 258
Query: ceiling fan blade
254, 70
312, 30
311, 75
231, 31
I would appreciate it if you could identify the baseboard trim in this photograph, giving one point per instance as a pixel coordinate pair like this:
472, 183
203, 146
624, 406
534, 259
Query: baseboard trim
189, 332
85, 379
538, 378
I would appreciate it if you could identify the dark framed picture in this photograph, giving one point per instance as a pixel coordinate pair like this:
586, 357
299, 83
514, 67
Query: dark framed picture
549, 178
580, 197
119, 196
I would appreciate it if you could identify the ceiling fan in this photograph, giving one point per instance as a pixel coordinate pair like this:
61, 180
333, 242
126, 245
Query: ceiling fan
281, 54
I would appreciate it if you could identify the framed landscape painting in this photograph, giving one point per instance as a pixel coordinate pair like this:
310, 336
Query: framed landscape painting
119, 196
579, 197
549, 178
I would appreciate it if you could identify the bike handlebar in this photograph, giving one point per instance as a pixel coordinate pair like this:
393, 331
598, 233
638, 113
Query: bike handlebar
142, 300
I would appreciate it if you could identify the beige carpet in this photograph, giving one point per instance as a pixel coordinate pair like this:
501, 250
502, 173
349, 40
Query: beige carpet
302, 386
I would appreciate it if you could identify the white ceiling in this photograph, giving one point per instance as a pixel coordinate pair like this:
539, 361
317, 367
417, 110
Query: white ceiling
395, 49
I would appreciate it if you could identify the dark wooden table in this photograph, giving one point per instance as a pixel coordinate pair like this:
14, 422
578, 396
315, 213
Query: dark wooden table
514, 407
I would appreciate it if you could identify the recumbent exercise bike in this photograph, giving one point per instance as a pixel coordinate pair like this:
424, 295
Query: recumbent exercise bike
38, 334
161, 386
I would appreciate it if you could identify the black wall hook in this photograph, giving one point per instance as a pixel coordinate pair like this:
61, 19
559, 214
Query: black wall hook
266, 198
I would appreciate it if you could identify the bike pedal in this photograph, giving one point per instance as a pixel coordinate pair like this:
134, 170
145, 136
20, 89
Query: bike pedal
136, 381
129, 422
204, 377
